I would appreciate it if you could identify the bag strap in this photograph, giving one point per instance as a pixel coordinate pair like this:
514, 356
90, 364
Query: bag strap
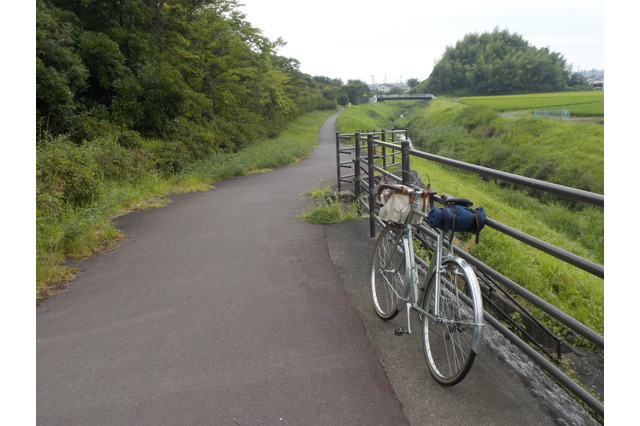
475, 217
453, 222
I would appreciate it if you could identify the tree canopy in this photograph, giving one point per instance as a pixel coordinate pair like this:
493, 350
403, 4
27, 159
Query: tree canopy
496, 63
160, 67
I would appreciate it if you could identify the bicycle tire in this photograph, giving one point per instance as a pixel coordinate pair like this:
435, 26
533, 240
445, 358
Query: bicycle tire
387, 272
451, 340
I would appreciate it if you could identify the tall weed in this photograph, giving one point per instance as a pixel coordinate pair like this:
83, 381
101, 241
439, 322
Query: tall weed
328, 208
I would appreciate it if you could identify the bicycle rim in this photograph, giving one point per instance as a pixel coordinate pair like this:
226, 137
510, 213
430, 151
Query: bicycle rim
448, 338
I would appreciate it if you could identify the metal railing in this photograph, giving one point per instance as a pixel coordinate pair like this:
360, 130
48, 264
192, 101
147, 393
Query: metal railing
372, 155
404, 97
355, 151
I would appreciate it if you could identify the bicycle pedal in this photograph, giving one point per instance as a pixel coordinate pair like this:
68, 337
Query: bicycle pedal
400, 331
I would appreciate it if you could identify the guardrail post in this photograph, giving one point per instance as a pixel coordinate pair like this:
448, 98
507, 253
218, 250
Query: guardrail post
357, 175
406, 148
372, 186
338, 161
384, 149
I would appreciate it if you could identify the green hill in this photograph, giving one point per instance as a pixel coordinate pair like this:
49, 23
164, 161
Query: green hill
498, 63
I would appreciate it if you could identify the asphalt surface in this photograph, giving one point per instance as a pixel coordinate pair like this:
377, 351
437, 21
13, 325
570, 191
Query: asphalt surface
225, 308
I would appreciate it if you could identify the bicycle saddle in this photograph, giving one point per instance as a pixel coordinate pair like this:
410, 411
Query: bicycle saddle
448, 199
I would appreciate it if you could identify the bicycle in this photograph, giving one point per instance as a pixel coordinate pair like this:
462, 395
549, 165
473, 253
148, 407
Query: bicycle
449, 305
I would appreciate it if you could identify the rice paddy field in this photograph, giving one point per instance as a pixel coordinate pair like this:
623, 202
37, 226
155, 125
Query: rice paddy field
579, 104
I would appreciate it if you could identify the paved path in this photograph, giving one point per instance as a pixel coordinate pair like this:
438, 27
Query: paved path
224, 308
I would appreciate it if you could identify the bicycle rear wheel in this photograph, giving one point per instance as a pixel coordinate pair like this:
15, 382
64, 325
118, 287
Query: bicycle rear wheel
452, 338
387, 271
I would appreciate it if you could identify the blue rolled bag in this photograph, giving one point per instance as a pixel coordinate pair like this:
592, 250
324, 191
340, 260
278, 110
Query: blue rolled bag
459, 217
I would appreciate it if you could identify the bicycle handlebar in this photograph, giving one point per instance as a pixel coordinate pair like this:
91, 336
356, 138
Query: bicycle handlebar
405, 190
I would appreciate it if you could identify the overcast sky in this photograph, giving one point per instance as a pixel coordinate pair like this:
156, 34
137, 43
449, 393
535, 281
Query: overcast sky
394, 40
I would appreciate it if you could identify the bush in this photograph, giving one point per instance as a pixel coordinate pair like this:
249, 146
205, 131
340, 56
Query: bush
129, 139
86, 127
116, 163
200, 141
65, 173
167, 156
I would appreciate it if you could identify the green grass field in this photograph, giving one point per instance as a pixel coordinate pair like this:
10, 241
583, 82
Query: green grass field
582, 104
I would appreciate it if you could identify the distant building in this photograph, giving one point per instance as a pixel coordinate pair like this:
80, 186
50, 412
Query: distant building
595, 81
593, 77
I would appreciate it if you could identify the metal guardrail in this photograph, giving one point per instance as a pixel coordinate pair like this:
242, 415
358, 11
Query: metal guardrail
380, 155
403, 97
564, 191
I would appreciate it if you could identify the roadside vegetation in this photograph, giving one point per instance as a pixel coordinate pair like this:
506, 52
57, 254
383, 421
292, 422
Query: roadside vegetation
66, 230
327, 207
570, 154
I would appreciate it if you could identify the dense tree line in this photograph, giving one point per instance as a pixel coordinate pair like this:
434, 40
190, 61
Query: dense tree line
160, 67
499, 63
129, 88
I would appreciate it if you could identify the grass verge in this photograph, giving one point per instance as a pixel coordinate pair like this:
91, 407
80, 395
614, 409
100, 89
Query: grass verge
328, 207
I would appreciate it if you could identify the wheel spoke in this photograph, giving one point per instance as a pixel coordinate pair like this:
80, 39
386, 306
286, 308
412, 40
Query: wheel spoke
448, 337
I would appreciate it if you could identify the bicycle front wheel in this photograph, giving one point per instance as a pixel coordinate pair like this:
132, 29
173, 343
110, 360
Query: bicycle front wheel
453, 332
388, 271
